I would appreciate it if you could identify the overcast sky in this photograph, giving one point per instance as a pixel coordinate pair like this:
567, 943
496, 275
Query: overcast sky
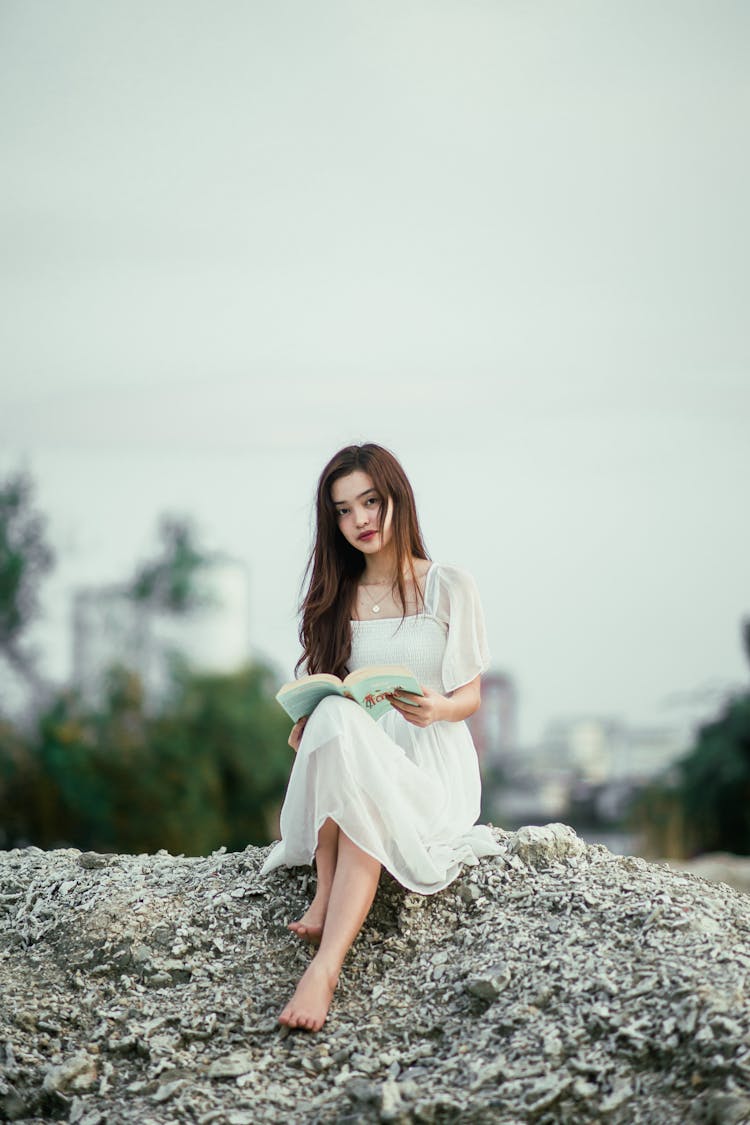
508, 240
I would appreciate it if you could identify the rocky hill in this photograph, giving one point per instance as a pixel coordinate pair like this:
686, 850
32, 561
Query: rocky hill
719, 867
555, 983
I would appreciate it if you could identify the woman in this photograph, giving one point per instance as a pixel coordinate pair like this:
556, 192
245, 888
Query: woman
402, 792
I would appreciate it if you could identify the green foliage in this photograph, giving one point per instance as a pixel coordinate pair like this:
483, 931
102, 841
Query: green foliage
209, 769
704, 804
714, 786
170, 581
19, 780
25, 557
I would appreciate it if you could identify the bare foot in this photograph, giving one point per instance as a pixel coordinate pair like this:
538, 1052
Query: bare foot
309, 1006
310, 926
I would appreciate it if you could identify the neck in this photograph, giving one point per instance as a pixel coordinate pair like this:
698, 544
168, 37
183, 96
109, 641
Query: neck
381, 568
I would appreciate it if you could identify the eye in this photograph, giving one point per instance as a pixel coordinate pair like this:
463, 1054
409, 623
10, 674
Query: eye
341, 511
373, 500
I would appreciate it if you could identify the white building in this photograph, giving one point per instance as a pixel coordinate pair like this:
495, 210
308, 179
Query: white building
110, 627
601, 749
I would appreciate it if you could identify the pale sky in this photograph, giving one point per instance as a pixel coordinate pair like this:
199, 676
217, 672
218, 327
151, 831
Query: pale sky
509, 241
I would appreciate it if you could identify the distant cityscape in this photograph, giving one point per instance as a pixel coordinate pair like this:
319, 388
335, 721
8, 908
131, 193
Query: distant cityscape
585, 767
585, 761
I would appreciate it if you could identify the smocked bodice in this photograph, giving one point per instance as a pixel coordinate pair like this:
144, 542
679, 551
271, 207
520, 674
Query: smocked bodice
418, 641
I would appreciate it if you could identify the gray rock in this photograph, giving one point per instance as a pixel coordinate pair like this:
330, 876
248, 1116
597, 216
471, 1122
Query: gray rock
230, 1066
541, 846
90, 861
392, 1107
168, 1090
490, 983
77, 1073
159, 979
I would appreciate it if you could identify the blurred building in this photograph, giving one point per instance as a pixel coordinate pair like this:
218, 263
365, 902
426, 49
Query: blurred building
111, 627
494, 726
587, 768
602, 749
586, 746
649, 750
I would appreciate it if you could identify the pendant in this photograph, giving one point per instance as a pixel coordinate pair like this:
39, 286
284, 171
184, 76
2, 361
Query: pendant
376, 609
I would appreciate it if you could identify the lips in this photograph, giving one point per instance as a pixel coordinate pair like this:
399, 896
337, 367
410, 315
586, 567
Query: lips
366, 535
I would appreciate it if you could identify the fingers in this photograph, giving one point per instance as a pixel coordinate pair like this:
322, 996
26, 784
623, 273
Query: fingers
409, 696
407, 700
413, 715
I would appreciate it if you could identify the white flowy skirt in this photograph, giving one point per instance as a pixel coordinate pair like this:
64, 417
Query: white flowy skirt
408, 796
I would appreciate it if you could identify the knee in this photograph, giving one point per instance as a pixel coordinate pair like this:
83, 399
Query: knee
329, 718
333, 707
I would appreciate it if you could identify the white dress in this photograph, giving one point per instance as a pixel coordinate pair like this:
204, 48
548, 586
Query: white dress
407, 795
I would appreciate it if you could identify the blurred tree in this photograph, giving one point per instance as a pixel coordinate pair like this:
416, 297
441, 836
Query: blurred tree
170, 581
704, 802
237, 735
25, 558
19, 786
210, 769
714, 783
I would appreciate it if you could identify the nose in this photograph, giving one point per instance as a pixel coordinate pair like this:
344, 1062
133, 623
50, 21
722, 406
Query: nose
363, 517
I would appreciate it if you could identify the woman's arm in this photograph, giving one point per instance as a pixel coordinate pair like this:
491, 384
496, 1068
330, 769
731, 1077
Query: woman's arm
295, 736
464, 701
433, 707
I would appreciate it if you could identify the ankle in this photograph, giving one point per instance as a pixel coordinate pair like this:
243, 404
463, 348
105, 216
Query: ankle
328, 968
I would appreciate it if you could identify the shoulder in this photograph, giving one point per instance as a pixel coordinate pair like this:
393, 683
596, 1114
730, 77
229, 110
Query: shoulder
422, 567
454, 576
454, 591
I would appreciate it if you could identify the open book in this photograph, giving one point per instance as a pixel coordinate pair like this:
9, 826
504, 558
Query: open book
366, 686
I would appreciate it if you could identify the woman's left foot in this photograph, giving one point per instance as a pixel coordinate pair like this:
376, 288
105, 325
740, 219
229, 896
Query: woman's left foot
313, 934
310, 926
309, 1006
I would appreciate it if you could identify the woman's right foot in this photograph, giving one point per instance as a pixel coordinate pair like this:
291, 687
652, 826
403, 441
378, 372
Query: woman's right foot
309, 1006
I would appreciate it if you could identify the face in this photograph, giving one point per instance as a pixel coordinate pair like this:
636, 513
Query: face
360, 512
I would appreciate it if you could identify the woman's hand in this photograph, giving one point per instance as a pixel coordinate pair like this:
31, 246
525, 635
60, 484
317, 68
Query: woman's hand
420, 710
295, 736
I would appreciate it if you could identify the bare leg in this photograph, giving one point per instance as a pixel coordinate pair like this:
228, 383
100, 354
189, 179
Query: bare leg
310, 925
354, 884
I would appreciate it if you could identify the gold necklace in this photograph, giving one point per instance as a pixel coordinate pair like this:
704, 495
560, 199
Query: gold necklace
375, 606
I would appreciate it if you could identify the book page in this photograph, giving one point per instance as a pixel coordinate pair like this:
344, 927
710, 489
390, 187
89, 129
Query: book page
369, 689
377, 670
302, 697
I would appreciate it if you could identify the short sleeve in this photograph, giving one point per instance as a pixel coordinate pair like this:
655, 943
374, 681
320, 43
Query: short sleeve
459, 606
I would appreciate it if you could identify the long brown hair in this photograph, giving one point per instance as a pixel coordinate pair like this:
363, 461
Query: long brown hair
325, 631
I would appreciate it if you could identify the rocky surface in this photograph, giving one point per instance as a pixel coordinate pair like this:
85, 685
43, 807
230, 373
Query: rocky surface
553, 983
718, 867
